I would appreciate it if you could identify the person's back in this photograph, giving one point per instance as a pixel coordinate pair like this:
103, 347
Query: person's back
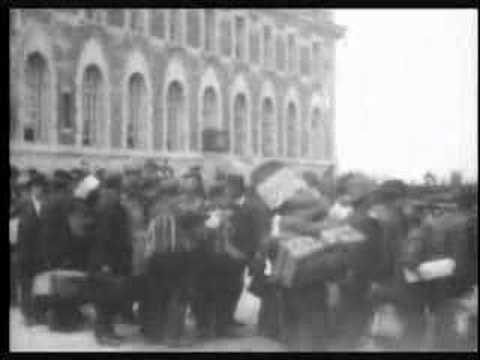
112, 245
450, 239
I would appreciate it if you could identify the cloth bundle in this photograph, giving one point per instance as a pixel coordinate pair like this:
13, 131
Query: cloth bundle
13, 230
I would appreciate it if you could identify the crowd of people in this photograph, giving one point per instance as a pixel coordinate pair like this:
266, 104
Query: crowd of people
154, 246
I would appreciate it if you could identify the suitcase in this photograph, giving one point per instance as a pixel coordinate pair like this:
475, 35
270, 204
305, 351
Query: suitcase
303, 260
65, 284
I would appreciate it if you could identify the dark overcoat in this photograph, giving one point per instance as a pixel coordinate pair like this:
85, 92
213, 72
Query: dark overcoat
112, 246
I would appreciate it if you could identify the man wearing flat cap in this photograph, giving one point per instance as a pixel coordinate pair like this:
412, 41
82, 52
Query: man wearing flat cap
31, 250
389, 285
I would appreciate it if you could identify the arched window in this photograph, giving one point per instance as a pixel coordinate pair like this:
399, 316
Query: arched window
93, 106
136, 134
320, 137
268, 130
240, 124
291, 130
37, 84
176, 113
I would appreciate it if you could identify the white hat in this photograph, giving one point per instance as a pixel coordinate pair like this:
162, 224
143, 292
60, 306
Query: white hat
86, 186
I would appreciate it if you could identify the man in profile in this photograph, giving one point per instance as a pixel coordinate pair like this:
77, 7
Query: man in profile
247, 232
31, 250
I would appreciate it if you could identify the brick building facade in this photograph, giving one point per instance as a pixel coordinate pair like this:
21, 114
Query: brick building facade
114, 84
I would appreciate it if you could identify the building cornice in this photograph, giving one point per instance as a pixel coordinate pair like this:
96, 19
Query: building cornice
321, 24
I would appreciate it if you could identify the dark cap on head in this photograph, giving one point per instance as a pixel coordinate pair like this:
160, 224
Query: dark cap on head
61, 178
113, 181
39, 180
151, 165
392, 189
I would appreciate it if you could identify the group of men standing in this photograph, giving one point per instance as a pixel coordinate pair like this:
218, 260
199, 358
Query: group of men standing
145, 237
114, 228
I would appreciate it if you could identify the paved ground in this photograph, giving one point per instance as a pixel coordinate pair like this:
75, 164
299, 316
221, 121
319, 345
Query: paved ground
39, 338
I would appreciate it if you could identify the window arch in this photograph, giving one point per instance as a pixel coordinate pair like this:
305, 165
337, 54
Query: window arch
93, 106
210, 113
37, 81
240, 127
291, 134
136, 129
176, 115
92, 82
268, 127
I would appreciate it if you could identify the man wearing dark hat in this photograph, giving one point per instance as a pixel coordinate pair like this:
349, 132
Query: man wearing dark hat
31, 250
110, 257
247, 231
355, 308
390, 286
66, 246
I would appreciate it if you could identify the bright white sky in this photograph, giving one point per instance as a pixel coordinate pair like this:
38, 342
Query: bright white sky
407, 92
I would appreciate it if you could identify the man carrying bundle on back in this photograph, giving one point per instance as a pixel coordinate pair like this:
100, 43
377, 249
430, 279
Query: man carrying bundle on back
173, 238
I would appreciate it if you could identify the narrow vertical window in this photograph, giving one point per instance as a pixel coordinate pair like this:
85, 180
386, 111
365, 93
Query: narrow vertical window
240, 124
305, 60
35, 126
281, 53
92, 107
157, 23
267, 47
66, 118
292, 54
137, 113
281, 135
137, 21
175, 27
176, 114
193, 29
268, 129
240, 34
321, 147
210, 33
254, 45
291, 130
305, 138
116, 17
226, 36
